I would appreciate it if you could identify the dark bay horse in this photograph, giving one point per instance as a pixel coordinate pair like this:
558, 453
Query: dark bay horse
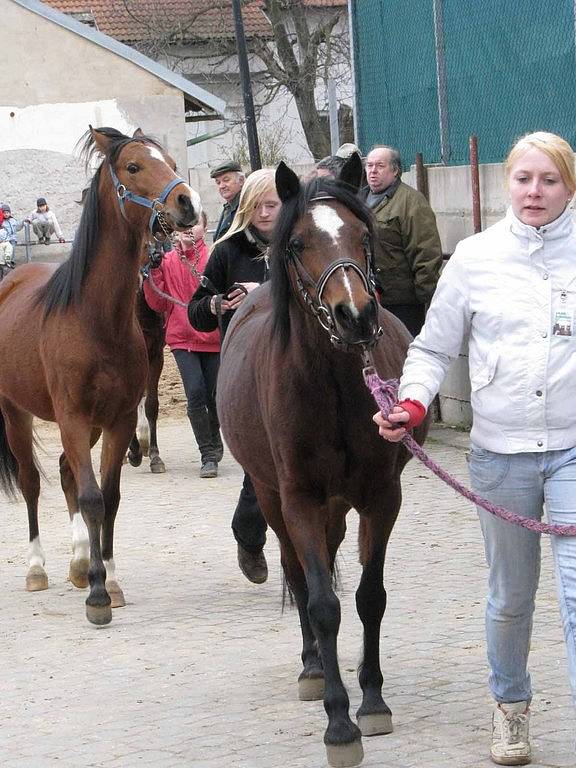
297, 416
72, 352
145, 440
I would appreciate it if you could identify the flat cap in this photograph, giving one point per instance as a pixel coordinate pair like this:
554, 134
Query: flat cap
228, 167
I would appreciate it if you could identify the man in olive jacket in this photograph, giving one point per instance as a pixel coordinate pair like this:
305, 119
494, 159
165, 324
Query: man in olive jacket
408, 252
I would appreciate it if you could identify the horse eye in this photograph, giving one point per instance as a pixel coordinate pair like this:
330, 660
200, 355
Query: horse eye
133, 168
297, 245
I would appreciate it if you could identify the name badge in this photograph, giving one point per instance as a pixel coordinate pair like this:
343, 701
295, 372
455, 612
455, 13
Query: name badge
563, 323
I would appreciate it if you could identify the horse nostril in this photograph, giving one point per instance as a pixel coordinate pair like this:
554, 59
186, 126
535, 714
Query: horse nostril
184, 201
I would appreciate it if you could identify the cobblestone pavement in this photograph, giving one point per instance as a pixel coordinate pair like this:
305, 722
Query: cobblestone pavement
200, 668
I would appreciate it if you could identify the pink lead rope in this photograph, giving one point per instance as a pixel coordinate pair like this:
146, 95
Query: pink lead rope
385, 395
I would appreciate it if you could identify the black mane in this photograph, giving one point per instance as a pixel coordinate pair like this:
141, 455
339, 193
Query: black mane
65, 285
292, 210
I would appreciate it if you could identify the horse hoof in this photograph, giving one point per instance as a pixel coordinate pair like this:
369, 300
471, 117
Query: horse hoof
311, 688
345, 755
78, 572
157, 466
99, 614
376, 724
36, 579
135, 459
116, 595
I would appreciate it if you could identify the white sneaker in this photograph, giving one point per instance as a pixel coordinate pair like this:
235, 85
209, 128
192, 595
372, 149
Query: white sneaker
510, 737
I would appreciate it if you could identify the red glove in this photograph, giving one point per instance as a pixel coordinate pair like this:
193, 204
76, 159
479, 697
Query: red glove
416, 410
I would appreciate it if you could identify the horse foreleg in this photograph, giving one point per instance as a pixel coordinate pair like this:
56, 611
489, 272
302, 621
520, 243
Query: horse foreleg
374, 715
151, 407
76, 441
80, 562
306, 526
115, 444
19, 435
311, 679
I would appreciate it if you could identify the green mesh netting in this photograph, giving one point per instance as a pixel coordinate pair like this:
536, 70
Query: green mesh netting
510, 68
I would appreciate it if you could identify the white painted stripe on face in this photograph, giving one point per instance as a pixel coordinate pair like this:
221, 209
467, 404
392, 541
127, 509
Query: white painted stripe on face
36, 553
327, 220
80, 539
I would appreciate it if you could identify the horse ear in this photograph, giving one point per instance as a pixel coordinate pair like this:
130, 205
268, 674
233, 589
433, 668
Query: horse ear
138, 133
351, 171
287, 182
100, 139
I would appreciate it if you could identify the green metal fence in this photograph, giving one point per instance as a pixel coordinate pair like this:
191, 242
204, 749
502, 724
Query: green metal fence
431, 72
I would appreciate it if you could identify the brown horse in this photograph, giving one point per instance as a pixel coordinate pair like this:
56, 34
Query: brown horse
72, 352
145, 440
296, 414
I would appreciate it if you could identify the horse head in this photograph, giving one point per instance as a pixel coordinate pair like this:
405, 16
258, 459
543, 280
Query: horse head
323, 250
143, 175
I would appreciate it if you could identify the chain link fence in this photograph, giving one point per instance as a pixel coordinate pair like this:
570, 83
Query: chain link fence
429, 73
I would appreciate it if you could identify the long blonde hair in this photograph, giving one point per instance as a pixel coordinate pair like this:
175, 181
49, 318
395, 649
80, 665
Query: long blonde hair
557, 149
258, 184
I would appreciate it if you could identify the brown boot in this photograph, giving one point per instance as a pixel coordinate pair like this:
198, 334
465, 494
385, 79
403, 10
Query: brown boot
253, 566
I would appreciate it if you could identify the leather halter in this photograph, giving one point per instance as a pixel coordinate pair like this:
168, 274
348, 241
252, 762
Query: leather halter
157, 205
316, 303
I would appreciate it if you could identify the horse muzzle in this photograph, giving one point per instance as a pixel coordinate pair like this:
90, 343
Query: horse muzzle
356, 326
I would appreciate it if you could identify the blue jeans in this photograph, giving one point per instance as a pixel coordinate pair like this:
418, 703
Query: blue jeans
524, 483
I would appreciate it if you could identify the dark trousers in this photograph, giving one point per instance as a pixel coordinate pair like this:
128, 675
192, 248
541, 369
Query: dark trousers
248, 523
199, 371
412, 315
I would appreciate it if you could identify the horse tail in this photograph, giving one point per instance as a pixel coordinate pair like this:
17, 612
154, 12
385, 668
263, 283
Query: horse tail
8, 463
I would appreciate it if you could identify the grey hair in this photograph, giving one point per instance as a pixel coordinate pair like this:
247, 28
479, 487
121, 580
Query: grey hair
395, 159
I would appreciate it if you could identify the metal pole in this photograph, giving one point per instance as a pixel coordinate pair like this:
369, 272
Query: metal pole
352, 36
333, 113
441, 81
251, 132
475, 175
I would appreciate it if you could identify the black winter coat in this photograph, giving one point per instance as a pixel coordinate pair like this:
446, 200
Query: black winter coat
236, 260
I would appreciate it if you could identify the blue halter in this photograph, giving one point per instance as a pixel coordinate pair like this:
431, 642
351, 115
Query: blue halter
125, 195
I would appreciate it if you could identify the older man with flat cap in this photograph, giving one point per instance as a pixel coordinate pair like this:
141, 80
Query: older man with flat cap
229, 179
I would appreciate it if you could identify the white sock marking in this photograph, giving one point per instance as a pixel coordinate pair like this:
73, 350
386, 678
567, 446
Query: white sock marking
143, 429
36, 553
80, 539
110, 570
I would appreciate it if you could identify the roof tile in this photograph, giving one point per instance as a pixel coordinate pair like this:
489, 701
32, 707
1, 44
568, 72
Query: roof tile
130, 20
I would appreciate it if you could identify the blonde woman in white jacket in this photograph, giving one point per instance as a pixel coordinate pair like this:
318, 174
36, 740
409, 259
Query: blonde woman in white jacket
512, 291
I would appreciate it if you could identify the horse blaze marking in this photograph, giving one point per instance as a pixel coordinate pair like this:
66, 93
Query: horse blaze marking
328, 221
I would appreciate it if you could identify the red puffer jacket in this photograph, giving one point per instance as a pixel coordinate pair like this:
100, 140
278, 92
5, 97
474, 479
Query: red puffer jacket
175, 278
